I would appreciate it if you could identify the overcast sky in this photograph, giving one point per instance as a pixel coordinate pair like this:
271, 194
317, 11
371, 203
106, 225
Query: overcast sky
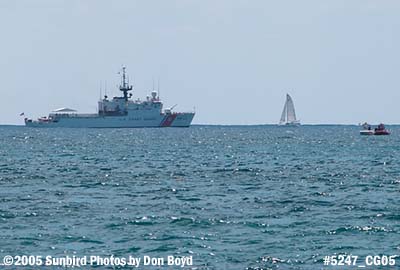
232, 60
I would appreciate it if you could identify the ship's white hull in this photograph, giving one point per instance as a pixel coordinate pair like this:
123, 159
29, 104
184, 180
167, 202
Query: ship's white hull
97, 121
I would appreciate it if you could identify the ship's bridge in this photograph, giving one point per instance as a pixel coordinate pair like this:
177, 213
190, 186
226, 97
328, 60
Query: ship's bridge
125, 104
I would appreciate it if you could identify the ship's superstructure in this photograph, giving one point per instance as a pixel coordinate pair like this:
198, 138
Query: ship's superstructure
118, 112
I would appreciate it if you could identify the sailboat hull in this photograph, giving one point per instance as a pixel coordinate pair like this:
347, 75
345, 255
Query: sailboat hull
292, 124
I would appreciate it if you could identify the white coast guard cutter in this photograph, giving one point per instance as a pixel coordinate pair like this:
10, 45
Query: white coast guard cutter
118, 112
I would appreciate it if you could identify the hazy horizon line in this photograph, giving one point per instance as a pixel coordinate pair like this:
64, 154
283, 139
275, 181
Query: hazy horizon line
236, 125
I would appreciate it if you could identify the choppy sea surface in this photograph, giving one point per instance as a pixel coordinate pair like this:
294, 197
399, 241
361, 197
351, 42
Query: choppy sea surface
254, 197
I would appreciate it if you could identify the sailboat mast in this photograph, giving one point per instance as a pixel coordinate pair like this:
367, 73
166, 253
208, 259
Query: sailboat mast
287, 108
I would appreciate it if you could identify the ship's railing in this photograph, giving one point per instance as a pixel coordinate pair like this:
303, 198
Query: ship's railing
179, 113
72, 115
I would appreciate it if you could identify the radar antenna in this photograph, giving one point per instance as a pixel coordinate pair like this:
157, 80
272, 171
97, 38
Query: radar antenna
125, 87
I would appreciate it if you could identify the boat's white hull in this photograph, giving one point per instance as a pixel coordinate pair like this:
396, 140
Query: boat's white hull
161, 120
367, 132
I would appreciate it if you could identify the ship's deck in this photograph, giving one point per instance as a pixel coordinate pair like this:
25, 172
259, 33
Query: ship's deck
73, 115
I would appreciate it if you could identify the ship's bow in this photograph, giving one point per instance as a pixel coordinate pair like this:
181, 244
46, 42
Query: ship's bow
183, 120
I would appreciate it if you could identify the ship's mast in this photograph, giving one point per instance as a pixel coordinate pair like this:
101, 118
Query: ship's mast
125, 87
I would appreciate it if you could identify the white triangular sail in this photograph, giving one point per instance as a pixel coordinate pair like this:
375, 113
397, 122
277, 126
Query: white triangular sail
288, 116
284, 113
291, 114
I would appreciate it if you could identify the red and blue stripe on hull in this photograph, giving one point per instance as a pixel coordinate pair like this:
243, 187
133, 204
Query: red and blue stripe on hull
167, 121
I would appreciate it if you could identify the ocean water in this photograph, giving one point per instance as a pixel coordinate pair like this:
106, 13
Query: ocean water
256, 197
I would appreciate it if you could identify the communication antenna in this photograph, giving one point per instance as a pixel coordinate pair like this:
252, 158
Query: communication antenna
121, 79
158, 87
105, 88
125, 86
100, 91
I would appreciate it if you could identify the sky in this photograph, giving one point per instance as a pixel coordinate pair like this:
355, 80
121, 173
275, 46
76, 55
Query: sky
231, 60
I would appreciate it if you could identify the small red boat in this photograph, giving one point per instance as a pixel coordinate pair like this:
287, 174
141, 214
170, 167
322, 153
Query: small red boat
381, 130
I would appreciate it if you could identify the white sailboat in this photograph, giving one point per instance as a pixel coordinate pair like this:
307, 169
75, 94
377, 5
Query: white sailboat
288, 116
